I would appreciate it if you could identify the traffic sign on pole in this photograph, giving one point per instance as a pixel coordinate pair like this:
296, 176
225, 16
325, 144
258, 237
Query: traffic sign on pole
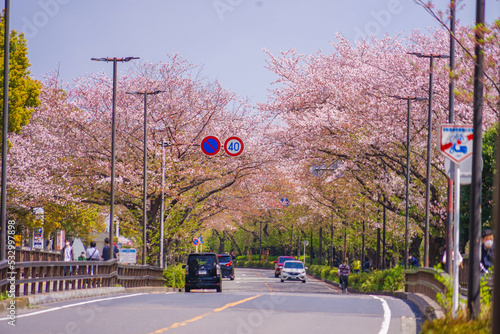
455, 141
210, 145
233, 146
196, 242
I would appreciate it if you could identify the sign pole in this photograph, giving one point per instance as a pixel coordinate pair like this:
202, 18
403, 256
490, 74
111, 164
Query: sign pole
456, 233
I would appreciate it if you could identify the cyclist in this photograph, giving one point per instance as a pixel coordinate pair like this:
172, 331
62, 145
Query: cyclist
344, 271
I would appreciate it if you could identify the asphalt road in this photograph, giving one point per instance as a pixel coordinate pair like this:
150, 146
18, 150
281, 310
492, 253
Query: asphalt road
255, 302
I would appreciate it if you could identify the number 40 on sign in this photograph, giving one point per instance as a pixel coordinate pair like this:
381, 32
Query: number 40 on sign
233, 146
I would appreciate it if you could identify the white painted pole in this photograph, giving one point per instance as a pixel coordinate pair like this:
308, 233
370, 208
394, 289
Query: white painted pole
456, 240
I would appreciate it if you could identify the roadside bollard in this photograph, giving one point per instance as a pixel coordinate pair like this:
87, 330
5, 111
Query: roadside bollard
175, 280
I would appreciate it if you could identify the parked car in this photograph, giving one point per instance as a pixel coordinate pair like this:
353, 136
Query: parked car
202, 272
293, 270
226, 266
279, 264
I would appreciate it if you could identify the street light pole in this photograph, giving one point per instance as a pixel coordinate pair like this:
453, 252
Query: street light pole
429, 152
409, 99
113, 141
162, 217
145, 171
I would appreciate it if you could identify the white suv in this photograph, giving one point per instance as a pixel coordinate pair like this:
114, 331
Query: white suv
293, 270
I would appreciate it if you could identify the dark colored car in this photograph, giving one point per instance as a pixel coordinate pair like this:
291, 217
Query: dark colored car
202, 272
279, 264
226, 266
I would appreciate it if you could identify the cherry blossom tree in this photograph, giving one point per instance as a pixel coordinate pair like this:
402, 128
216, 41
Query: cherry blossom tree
336, 107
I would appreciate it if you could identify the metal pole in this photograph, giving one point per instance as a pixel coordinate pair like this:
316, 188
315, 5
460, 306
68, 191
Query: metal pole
5, 130
473, 291
113, 153
456, 232
378, 248
145, 179
496, 228
311, 249
451, 120
428, 181
260, 240
162, 217
320, 247
407, 180
332, 255
383, 240
345, 244
363, 244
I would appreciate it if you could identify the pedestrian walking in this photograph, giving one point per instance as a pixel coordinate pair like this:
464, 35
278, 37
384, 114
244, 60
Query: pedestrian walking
93, 255
356, 265
344, 271
67, 253
367, 265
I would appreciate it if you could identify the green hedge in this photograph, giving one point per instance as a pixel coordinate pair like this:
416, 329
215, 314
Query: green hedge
179, 276
378, 280
254, 264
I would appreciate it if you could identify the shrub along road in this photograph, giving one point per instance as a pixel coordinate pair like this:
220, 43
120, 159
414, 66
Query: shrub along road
255, 302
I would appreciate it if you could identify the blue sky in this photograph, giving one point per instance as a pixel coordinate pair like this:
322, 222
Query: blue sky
225, 37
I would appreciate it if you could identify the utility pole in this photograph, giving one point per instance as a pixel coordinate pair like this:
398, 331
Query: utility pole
473, 290
451, 120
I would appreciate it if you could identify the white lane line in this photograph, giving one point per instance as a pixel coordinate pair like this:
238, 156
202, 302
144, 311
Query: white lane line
71, 305
387, 316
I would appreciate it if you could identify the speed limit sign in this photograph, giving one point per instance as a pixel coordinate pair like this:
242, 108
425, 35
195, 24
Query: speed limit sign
233, 146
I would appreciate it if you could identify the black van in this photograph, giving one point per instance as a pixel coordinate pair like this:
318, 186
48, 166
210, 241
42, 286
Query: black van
202, 272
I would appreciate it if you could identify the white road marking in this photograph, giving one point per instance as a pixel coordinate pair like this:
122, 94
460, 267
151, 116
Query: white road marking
73, 305
387, 316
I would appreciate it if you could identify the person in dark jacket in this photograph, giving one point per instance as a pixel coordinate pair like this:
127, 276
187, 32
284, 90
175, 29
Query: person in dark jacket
105, 250
487, 251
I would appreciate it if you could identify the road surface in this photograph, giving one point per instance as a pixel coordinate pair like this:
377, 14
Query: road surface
255, 302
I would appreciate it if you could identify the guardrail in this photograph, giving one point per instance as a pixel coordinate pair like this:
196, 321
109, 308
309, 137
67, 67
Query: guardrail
423, 281
34, 277
27, 254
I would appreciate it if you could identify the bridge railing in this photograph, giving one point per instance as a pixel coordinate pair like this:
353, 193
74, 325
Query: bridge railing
424, 281
34, 277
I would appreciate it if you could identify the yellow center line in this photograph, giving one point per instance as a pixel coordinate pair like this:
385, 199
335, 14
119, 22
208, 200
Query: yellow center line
266, 283
184, 323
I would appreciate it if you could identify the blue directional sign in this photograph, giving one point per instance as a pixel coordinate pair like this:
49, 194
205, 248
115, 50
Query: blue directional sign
200, 239
284, 201
210, 145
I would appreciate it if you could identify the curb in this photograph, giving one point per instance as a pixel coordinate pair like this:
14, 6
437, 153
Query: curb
428, 307
51, 297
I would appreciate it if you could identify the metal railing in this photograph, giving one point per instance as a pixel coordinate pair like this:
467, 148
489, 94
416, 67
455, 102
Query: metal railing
43, 275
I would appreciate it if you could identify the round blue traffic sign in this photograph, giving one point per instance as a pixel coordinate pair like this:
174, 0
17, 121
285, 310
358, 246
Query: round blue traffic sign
233, 146
196, 242
210, 145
